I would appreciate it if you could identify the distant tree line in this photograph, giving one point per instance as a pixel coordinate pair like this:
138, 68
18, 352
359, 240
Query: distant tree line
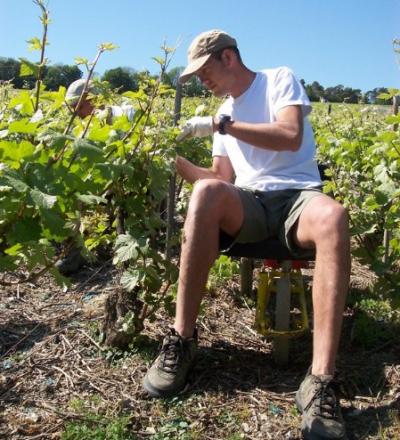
339, 93
126, 78
53, 76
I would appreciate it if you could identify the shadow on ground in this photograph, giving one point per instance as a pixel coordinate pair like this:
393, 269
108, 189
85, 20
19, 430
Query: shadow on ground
20, 335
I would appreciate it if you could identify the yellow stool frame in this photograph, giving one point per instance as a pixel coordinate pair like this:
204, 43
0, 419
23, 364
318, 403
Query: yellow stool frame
282, 285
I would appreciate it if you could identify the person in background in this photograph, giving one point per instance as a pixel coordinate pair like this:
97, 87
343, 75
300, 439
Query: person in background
87, 107
74, 260
263, 182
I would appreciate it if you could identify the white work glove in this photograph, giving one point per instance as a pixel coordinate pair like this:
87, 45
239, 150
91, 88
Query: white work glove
198, 126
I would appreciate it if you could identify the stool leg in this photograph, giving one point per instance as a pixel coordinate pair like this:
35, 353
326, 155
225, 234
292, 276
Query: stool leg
282, 315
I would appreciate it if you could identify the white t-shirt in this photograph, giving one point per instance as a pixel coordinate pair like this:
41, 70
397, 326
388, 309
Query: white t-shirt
124, 109
113, 111
259, 168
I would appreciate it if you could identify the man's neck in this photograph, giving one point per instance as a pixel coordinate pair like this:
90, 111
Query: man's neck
244, 80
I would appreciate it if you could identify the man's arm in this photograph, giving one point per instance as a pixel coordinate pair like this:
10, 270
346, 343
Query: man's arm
285, 134
220, 169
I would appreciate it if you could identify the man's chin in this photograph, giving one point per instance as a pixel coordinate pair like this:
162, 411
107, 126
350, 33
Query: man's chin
218, 93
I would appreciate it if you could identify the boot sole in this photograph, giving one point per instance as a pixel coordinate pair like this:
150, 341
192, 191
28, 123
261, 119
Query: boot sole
155, 392
309, 435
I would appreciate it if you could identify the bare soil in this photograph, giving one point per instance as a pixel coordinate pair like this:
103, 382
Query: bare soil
54, 371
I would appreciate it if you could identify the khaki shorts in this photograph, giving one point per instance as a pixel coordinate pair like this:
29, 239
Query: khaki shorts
273, 214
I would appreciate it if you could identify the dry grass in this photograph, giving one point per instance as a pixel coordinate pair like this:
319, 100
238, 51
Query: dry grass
53, 371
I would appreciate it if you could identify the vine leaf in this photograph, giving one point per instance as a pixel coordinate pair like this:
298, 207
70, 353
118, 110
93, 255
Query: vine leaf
126, 248
42, 200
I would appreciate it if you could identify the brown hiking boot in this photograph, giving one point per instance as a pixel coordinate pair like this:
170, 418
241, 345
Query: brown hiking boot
316, 400
168, 374
71, 263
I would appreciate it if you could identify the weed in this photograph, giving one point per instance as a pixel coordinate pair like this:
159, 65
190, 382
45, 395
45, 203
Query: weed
176, 429
98, 429
376, 322
93, 424
223, 270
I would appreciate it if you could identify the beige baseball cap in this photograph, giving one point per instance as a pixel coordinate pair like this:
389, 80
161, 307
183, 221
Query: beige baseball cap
75, 90
201, 49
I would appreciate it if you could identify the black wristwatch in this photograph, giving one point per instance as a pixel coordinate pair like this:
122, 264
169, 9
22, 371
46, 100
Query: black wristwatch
223, 119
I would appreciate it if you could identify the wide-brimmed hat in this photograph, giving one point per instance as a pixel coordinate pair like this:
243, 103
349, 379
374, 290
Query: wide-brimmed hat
75, 90
201, 49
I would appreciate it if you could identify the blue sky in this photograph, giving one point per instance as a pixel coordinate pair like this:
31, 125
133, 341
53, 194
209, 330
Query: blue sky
346, 42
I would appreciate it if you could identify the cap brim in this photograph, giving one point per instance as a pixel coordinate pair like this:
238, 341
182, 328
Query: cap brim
193, 67
72, 100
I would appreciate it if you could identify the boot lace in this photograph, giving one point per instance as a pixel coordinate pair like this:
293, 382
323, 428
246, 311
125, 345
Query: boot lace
172, 352
324, 400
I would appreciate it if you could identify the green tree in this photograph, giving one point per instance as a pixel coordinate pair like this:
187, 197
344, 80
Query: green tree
314, 90
372, 96
340, 93
352, 96
10, 71
171, 78
194, 87
191, 88
121, 78
61, 75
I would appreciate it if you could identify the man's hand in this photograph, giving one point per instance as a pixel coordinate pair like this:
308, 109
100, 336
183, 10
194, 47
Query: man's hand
198, 126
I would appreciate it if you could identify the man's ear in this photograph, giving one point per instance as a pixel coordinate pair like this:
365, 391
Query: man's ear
227, 57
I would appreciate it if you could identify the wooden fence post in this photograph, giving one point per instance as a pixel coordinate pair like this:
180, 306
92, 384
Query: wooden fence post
395, 108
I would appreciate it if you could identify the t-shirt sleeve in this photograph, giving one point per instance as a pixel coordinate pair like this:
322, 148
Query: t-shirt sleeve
218, 147
129, 112
289, 91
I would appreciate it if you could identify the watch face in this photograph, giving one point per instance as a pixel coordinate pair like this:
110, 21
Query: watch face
223, 119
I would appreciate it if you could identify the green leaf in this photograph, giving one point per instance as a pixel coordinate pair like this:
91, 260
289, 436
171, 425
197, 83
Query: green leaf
114, 171
100, 134
153, 279
55, 99
25, 230
384, 96
16, 152
393, 119
131, 278
90, 199
7, 263
28, 68
42, 200
81, 60
14, 250
393, 92
159, 60
34, 44
388, 136
126, 248
58, 141
54, 224
108, 46
22, 126
15, 181
62, 281
86, 149
22, 101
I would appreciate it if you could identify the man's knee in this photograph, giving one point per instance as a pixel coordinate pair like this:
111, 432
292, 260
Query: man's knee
208, 194
332, 221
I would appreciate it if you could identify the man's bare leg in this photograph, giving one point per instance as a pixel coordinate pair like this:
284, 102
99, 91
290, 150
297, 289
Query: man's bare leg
214, 205
324, 224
